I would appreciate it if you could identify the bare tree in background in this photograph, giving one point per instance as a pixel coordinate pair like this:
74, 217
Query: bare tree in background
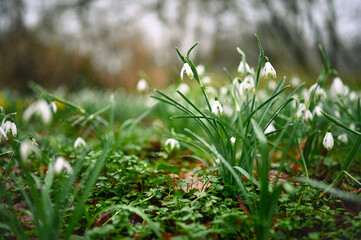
11, 17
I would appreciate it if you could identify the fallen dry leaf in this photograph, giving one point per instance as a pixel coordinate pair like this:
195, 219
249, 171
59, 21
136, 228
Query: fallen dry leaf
194, 181
102, 219
273, 174
243, 206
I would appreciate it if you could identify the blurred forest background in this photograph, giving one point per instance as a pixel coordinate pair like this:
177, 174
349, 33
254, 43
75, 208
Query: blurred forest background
112, 43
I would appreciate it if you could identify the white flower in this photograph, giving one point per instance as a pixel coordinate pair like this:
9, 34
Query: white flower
269, 71
2, 134
247, 85
53, 107
353, 126
272, 84
79, 142
217, 162
223, 91
338, 89
343, 138
328, 141
353, 96
9, 126
217, 108
317, 111
304, 113
319, 92
142, 85
206, 80
186, 68
233, 140
243, 68
61, 163
270, 128
308, 115
40, 108
183, 88
295, 81
27, 147
171, 144
200, 69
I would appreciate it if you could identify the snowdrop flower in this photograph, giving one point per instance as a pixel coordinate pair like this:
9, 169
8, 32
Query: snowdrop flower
338, 89
28, 147
201, 69
270, 128
247, 85
233, 140
151, 102
171, 144
53, 107
79, 142
186, 68
295, 81
308, 115
9, 126
183, 88
272, 84
217, 108
223, 91
218, 161
304, 113
243, 68
319, 92
353, 96
269, 71
328, 141
142, 85
60, 164
40, 108
206, 80
2, 134
352, 126
317, 111
343, 138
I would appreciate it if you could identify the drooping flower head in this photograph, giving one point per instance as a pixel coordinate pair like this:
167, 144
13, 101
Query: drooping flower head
338, 89
328, 141
247, 85
304, 113
142, 85
217, 108
183, 88
186, 68
343, 138
269, 71
79, 142
171, 144
60, 164
8, 127
319, 92
243, 68
40, 108
28, 147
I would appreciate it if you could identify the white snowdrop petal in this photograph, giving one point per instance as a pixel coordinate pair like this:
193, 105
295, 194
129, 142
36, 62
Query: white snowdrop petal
328, 141
79, 142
